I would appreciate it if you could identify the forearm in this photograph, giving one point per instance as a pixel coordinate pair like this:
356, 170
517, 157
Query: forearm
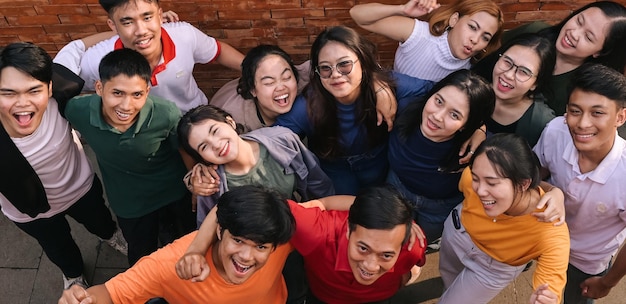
206, 234
229, 56
92, 40
100, 293
617, 270
366, 14
337, 202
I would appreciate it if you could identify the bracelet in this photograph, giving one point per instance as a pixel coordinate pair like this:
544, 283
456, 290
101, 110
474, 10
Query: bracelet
484, 131
379, 89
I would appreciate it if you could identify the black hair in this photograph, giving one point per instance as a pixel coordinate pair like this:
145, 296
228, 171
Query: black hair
612, 53
602, 80
322, 105
512, 158
380, 208
250, 64
124, 62
111, 5
544, 49
29, 59
481, 104
256, 213
197, 116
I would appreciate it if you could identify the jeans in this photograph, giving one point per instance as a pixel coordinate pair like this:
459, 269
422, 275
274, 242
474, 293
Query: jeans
573, 292
429, 214
353, 173
53, 234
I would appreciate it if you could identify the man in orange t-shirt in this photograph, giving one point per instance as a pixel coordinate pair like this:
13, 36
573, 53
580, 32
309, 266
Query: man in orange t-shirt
254, 226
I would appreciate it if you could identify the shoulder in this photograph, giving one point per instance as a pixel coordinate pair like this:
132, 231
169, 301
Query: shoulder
178, 26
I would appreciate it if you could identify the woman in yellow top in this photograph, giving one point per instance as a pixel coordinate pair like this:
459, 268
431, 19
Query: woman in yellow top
490, 237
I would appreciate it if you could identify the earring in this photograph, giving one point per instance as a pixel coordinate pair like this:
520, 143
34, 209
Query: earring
448, 28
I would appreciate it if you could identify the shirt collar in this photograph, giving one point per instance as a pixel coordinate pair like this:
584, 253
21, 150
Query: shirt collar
607, 166
169, 52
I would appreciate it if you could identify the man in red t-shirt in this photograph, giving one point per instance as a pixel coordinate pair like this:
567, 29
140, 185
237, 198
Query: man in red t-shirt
354, 256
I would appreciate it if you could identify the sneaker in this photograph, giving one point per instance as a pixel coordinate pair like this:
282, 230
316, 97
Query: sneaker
80, 281
434, 246
118, 242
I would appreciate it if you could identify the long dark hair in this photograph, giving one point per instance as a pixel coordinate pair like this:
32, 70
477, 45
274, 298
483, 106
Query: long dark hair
612, 53
321, 105
481, 104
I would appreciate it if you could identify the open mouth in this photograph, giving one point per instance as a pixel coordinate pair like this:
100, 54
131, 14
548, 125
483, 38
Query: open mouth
23, 118
431, 125
488, 203
225, 149
122, 115
568, 41
365, 275
282, 100
143, 43
241, 269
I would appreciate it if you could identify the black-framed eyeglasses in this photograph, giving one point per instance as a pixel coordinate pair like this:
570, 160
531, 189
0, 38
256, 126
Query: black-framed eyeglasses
522, 73
343, 68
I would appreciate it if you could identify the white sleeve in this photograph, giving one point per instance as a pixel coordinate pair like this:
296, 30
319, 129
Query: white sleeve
70, 56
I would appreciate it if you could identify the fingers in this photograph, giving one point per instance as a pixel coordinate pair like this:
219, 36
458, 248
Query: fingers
379, 118
389, 121
192, 266
416, 234
75, 295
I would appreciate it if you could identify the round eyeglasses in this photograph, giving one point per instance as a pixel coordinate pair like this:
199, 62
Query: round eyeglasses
522, 73
343, 68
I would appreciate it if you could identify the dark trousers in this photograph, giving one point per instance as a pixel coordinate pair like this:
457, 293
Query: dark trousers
573, 292
53, 234
164, 224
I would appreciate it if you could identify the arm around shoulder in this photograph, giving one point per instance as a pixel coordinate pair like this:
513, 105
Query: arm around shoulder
229, 56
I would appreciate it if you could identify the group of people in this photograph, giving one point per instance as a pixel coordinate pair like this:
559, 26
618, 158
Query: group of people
346, 217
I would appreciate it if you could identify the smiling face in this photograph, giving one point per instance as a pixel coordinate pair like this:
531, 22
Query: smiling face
592, 120
122, 100
372, 252
444, 114
344, 87
496, 192
583, 35
23, 100
217, 142
505, 83
237, 258
275, 87
138, 23
471, 34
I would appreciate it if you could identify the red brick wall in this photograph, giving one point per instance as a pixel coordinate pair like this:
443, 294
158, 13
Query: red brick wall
292, 24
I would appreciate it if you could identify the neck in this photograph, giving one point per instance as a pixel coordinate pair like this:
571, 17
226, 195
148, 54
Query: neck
217, 261
266, 120
508, 111
155, 57
247, 157
525, 204
589, 160
565, 64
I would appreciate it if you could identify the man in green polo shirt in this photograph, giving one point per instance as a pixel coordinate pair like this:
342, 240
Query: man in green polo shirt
134, 139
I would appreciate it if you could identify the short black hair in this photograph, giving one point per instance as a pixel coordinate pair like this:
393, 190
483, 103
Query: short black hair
602, 80
256, 213
380, 208
110, 5
29, 59
124, 62
250, 64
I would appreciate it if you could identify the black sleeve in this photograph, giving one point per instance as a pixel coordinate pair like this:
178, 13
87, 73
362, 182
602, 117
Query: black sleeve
65, 85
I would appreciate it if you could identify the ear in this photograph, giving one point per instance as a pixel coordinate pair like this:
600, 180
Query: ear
111, 25
217, 231
525, 184
231, 122
253, 93
99, 87
348, 231
50, 90
454, 18
621, 117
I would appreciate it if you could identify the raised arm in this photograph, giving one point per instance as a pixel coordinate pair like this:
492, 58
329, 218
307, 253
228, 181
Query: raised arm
229, 56
393, 21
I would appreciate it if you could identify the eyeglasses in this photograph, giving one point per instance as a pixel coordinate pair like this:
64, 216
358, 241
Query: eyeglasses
343, 68
505, 64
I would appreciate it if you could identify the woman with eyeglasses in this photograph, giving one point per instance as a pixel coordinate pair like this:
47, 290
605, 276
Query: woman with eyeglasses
595, 32
337, 110
522, 69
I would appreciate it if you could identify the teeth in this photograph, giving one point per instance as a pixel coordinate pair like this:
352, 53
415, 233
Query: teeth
504, 84
585, 136
281, 97
242, 268
365, 273
142, 42
122, 115
489, 202
568, 41
223, 150
23, 113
